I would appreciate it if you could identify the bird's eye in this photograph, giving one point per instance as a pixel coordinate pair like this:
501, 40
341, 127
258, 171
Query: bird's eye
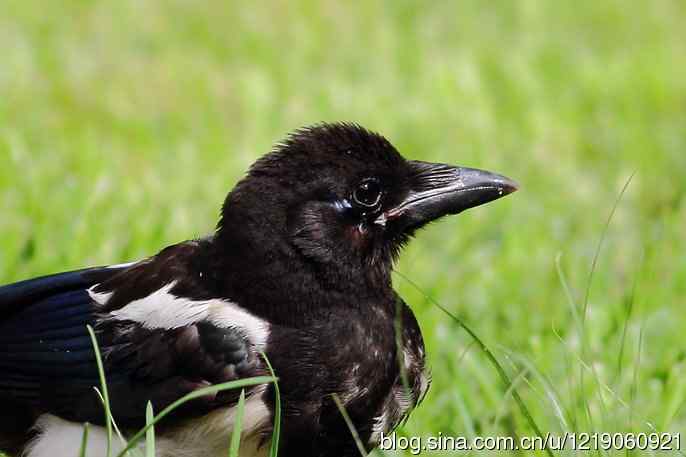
368, 193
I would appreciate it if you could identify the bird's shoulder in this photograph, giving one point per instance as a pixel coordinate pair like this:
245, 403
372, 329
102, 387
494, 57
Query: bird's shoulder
162, 323
183, 265
175, 291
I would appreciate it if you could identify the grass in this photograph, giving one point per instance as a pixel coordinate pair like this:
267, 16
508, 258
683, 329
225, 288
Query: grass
122, 126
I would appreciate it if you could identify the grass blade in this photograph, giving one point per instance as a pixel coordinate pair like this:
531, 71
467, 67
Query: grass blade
601, 241
274, 448
84, 440
257, 380
238, 426
103, 390
584, 311
516, 382
115, 428
577, 321
150, 433
400, 353
489, 355
351, 426
628, 310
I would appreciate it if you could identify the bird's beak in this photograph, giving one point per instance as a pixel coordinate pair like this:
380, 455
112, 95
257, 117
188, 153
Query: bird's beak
437, 190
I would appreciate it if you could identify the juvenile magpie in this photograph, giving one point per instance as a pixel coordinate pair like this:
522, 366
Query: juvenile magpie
299, 268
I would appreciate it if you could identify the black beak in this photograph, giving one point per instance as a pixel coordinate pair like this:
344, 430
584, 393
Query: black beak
437, 190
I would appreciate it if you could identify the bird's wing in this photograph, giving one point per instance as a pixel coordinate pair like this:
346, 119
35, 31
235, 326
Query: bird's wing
160, 337
43, 332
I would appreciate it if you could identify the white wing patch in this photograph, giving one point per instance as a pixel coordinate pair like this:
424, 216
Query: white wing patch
164, 310
123, 265
99, 297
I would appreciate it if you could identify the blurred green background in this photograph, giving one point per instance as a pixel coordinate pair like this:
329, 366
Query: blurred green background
123, 125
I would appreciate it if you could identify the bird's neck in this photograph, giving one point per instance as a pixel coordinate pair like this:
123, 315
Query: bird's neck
271, 279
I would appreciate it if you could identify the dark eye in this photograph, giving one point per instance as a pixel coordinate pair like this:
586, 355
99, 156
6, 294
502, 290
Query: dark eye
368, 193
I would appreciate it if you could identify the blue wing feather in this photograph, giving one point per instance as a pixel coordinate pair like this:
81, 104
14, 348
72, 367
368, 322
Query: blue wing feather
31, 290
43, 336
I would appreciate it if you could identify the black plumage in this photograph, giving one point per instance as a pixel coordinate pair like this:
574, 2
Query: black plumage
299, 267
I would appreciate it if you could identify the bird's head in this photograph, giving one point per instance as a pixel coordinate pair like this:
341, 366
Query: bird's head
343, 200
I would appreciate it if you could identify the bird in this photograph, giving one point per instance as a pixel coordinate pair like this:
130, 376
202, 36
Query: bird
297, 275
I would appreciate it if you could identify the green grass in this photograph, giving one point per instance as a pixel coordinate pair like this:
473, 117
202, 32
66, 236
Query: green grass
123, 125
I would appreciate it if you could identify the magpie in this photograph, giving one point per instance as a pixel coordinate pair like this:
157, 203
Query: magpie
298, 269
